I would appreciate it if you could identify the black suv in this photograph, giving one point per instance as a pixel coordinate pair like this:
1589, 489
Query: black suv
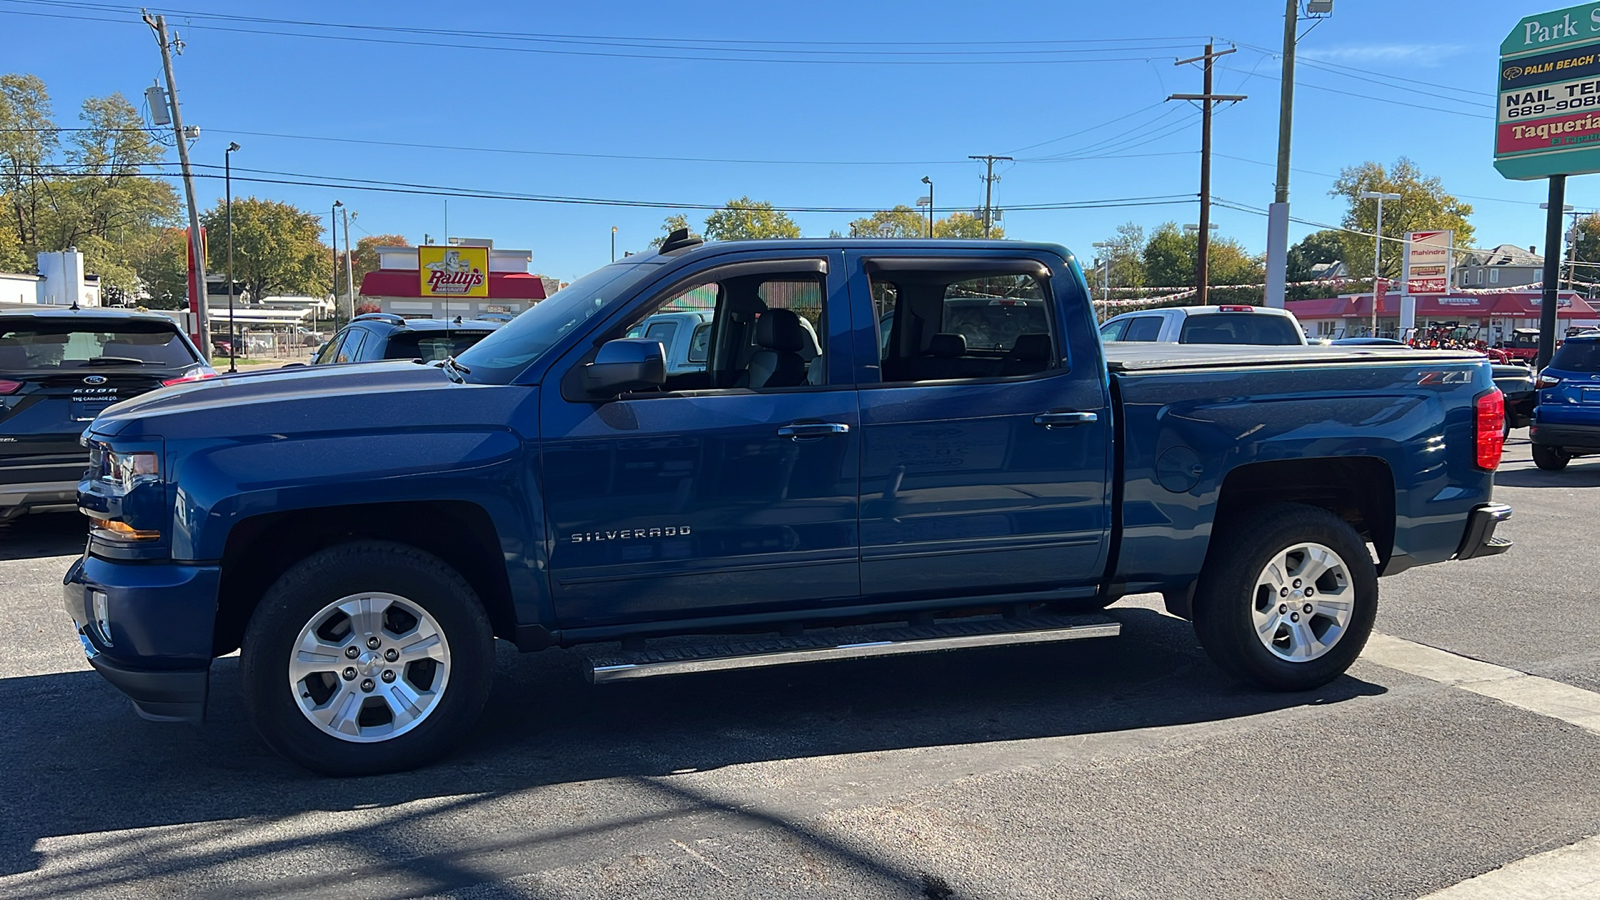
376, 336
58, 369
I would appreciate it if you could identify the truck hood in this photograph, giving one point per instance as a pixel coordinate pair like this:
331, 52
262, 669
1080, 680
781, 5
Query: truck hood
375, 397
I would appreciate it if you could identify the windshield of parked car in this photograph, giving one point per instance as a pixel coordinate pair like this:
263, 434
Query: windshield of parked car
502, 356
432, 346
1577, 356
1239, 328
35, 343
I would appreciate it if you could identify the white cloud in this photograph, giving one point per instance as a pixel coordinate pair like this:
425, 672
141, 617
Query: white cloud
1420, 55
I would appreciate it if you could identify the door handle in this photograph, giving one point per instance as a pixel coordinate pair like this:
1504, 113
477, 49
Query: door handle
1052, 419
801, 430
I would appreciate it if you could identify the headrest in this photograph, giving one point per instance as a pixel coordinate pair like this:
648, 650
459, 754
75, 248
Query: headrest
948, 346
1031, 347
780, 330
811, 348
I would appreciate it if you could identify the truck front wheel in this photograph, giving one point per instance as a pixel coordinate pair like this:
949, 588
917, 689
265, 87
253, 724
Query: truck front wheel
366, 658
1287, 598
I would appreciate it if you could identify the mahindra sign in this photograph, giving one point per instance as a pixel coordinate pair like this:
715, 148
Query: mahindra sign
1428, 260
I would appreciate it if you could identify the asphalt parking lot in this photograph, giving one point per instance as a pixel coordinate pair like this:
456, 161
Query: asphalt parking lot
1126, 767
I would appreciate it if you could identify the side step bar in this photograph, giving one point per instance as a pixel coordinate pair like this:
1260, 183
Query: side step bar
678, 656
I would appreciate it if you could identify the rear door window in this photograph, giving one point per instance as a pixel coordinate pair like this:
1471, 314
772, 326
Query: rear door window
32, 343
1238, 328
1144, 328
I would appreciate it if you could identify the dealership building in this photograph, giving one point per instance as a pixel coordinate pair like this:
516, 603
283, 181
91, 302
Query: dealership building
467, 278
1494, 315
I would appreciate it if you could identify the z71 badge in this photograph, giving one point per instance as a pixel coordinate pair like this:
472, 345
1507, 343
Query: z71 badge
629, 534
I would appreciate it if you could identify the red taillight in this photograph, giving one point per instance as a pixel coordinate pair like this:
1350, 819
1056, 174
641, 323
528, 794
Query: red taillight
9, 387
198, 375
1237, 308
1491, 429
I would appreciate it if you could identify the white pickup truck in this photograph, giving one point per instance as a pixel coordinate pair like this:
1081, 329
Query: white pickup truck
1229, 324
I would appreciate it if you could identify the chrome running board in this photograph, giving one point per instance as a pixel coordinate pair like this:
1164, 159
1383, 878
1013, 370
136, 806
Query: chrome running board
684, 655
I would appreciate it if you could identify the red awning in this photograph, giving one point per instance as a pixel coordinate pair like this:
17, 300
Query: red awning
408, 283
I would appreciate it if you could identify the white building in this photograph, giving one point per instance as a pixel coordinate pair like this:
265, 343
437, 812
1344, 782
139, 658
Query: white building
61, 282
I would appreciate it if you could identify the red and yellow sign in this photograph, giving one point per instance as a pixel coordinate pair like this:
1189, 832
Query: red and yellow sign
453, 271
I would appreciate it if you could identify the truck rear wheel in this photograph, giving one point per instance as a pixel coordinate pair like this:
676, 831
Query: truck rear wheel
366, 658
1551, 459
1287, 598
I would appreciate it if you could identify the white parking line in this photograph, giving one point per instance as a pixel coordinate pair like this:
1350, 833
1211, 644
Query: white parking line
1568, 873
1543, 696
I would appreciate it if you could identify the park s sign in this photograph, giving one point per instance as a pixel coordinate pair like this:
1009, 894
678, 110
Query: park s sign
1548, 121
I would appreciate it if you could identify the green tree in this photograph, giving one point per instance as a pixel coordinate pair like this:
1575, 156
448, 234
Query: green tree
277, 248
28, 143
674, 222
161, 262
1585, 250
964, 225
1125, 251
1171, 253
744, 219
1316, 248
900, 222
1424, 204
12, 259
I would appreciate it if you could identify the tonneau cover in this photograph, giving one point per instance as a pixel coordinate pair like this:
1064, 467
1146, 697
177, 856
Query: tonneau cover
1140, 356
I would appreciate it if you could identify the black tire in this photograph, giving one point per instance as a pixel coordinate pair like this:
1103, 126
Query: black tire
426, 585
1227, 597
1551, 459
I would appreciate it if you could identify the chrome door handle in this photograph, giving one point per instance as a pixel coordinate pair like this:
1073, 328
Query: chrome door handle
1052, 419
813, 429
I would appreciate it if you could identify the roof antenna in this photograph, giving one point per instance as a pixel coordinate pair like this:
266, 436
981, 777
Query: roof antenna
678, 240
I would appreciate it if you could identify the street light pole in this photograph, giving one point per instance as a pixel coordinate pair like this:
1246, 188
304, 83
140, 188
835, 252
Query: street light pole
929, 182
227, 181
1377, 248
333, 238
613, 243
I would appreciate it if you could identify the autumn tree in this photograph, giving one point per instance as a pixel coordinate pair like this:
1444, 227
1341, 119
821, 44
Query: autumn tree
964, 225
744, 219
365, 257
1125, 251
1317, 248
1171, 254
900, 222
1424, 205
277, 248
28, 143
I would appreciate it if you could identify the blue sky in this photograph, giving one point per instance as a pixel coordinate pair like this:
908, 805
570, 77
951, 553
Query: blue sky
795, 133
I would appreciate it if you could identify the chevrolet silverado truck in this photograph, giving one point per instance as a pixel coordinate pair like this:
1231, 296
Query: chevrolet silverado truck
984, 474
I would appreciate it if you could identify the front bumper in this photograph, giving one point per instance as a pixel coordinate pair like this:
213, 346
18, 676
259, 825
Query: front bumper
154, 642
37, 496
1580, 438
1479, 539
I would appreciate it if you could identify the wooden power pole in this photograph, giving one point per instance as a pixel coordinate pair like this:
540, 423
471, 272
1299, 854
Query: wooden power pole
197, 247
1202, 255
989, 178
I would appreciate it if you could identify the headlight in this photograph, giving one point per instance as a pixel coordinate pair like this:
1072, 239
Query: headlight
130, 469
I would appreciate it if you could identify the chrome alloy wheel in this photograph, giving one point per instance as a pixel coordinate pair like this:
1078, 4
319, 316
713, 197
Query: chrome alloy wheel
369, 667
1303, 602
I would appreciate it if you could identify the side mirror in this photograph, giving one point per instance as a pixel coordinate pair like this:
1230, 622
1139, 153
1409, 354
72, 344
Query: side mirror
626, 364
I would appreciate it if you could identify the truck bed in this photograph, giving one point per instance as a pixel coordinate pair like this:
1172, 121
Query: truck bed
1132, 357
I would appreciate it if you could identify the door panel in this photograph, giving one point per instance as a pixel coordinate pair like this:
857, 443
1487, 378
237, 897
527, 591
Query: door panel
964, 492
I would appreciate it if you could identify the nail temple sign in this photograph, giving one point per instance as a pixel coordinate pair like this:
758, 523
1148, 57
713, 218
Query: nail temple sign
1549, 105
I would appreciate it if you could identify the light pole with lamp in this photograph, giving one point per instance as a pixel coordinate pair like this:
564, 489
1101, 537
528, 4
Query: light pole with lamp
1377, 248
227, 181
613, 243
929, 182
333, 238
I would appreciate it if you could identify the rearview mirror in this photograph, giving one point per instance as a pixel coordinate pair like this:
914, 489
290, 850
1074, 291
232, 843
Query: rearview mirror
626, 364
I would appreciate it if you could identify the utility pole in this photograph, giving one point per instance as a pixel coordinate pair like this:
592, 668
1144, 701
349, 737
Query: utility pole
202, 324
1278, 213
989, 178
1203, 253
349, 271
333, 239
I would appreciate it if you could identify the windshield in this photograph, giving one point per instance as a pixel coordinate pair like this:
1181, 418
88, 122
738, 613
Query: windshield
431, 346
1577, 356
33, 343
502, 356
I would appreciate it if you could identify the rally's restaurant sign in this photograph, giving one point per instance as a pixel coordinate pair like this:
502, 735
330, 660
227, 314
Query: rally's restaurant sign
453, 271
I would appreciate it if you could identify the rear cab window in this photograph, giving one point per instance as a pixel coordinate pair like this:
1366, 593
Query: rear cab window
32, 343
1239, 328
1144, 328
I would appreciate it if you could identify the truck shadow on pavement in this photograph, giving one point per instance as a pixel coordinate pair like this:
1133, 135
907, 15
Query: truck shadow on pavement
43, 534
1575, 475
79, 763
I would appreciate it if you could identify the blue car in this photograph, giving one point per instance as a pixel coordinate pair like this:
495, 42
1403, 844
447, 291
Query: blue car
1566, 423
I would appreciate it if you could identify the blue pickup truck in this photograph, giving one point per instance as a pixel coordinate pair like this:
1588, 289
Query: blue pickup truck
985, 473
